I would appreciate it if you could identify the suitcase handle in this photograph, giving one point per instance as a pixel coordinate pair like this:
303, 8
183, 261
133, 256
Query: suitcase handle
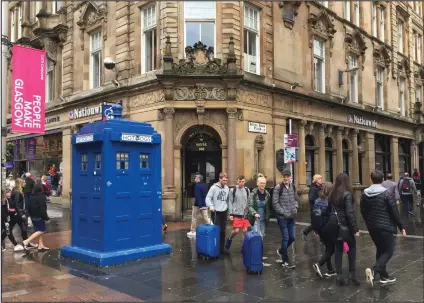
213, 215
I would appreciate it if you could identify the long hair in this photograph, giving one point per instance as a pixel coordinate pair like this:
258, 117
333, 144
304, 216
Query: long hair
18, 185
341, 185
325, 191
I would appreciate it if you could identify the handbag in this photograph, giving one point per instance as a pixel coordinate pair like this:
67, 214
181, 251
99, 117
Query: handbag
344, 233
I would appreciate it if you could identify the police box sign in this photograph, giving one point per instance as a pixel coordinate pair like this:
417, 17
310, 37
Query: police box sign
136, 138
257, 127
361, 121
84, 138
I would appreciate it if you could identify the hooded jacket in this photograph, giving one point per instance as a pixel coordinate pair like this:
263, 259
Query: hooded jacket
217, 197
238, 206
379, 210
313, 194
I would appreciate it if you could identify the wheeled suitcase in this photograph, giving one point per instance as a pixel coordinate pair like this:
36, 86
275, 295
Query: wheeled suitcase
207, 241
252, 252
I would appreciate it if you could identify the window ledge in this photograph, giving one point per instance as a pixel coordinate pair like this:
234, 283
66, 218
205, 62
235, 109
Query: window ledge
254, 77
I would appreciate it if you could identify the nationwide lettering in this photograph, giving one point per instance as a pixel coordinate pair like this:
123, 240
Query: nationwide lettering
85, 112
361, 121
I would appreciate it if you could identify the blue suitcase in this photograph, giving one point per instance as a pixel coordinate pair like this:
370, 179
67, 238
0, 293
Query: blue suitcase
207, 241
252, 252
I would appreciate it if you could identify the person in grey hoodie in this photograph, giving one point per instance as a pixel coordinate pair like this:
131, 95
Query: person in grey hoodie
217, 202
391, 187
407, 190
285, 204
238, 208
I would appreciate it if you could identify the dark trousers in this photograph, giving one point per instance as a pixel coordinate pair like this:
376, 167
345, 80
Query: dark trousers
385, 243
26, 196
308, 229
329, 251
408, 203
23, 225
351, 256
219, 218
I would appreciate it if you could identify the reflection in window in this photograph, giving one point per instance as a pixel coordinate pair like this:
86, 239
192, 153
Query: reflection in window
310, 158
122, 160
98, 162
328, 160
144, 161
84, 162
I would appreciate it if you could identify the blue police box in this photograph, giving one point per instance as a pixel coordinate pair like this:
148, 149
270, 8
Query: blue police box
116, 192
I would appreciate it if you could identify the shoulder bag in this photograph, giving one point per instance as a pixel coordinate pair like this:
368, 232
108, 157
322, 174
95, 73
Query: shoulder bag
344, 233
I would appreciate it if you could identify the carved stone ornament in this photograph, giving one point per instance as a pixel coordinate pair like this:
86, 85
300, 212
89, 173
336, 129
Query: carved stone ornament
382, 57
290, 9
321, 26
355, 44
404, 69
199, 93
254, 98
147, 99
92, 15
419, 75
232, 112
168, 112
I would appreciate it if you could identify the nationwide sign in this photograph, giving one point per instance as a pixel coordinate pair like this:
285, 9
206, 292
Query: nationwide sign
28, 90
361, 121
84, 112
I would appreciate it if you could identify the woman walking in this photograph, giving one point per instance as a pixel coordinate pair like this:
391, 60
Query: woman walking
37, 209
259, 206
343, 227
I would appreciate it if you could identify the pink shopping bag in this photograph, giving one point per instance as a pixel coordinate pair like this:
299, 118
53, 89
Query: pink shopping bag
345, 248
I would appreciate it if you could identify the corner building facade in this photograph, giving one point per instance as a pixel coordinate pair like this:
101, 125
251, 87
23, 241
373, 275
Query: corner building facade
220, 81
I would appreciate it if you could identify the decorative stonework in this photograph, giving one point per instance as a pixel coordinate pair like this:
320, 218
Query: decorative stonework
183, 118
355, 44
147, 99
321, 26
199, 93
168, 113
232, 113
290, 9
254, 98
218, 119
92, 16
404, 69
382, 57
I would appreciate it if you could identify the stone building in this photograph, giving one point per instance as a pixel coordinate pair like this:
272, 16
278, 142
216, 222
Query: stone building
221, 80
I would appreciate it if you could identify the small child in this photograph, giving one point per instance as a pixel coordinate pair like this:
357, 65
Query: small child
322, 204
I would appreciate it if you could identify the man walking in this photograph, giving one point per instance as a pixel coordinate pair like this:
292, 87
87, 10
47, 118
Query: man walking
238, 208
391, 187
200, 192
382, 218
407, 191
216, 201
285, 204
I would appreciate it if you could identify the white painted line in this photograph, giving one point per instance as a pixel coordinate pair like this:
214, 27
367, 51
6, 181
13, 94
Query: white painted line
14, 293
63, 277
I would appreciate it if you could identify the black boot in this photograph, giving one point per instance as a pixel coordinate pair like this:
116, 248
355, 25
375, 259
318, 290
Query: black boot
355, 281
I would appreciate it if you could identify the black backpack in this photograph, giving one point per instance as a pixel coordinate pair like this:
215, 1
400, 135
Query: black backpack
281, 189
316, 219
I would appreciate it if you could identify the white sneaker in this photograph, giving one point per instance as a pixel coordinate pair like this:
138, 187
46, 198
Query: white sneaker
317, 269
18, 247
369, 276
191, 234
264, 258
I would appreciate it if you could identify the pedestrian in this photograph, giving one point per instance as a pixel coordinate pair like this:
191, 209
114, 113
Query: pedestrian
391, 187
381, 216
325, 235
314, 189
285, 202
47, 188
342, 226
37, 209
5, 230
407, 190
10, 182
416, 176
29, 186
200, 192
217, 202
239, 210
260, 206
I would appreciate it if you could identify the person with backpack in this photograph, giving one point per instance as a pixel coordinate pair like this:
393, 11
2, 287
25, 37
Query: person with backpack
285, 202
407, 190
320, 217
238, 209
314, 189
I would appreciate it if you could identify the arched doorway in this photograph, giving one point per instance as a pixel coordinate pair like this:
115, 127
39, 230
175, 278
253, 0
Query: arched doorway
201, 153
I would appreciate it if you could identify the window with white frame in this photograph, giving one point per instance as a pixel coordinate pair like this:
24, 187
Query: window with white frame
199, 22
353, 91
402, 96
417, 7
251, 39
49, 82
38, 5
20, 21
56, 5
319, 65
149, 50
12, 26
379, 87
400, 28
347, 11
418, 94
95, 59
356, 18
374, 19
416, 47
382, 15
323, 3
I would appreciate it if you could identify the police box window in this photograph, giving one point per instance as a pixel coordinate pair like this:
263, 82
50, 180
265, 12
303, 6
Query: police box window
144, 161
122, 160
98, 162
84, 162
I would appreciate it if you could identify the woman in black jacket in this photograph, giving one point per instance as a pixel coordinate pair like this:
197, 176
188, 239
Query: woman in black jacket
37, 209
342, 213
314, 190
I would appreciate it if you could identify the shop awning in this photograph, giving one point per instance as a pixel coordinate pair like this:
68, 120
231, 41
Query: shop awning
47, 132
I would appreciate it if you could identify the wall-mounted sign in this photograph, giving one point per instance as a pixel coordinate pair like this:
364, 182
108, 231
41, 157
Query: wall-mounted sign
84, 138
290, 141
136, 138
362, 121
255, 127
107, 112
84, 112
50, 120
289, 154
30, 148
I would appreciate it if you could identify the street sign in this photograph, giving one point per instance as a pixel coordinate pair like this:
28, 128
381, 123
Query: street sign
290, 141
289, 154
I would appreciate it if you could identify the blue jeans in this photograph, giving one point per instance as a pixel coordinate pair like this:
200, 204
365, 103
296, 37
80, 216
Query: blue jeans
288, 232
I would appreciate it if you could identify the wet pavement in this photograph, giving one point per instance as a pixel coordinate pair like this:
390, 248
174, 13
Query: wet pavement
181, 277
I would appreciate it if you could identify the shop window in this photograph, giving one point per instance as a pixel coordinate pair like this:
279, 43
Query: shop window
84, 162
98, 162
144, 161
404, 156
328, 160
383, 154
122, 160
310, 158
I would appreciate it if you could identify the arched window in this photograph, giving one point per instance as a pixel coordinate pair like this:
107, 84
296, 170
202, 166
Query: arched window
382, 154
310, 158
404, 156
345, 145
328, 160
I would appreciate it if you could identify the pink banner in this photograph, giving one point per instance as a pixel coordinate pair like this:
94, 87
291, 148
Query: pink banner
28, 89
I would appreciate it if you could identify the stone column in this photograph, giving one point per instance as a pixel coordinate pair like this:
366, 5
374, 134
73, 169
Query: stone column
355, 158
321, 154
414, 157
279, 132
232, 147
369, 158
394, 157
169, 149
302, 155
67, 165
339, 152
